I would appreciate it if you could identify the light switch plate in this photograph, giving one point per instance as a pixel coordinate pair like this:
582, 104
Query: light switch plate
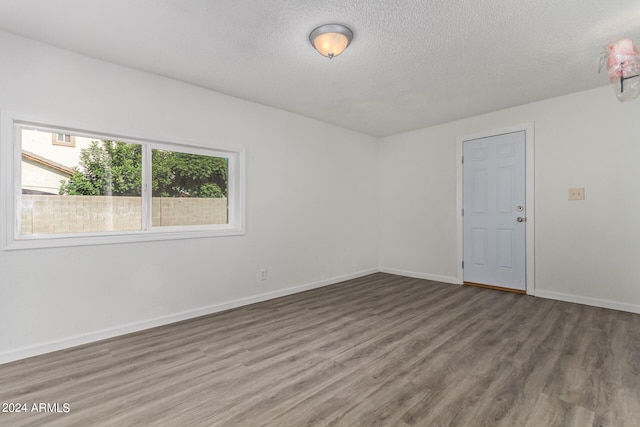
576, 194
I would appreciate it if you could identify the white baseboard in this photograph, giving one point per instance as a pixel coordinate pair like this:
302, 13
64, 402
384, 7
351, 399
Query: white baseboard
596, 302
434, 277
48, 347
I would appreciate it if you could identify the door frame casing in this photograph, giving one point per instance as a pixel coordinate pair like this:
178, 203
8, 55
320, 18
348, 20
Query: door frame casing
528, 129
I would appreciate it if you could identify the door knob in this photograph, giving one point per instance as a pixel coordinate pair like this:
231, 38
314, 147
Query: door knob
521, 219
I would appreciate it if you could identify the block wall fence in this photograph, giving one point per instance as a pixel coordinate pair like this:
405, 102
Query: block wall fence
51, 214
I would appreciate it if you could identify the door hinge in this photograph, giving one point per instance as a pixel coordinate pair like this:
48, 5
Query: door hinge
463, 160
462, 264
462, 211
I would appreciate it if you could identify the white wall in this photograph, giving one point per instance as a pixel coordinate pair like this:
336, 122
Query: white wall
585, 251
312, 206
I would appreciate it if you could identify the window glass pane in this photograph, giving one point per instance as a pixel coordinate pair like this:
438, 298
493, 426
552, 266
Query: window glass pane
188, 189
92, 187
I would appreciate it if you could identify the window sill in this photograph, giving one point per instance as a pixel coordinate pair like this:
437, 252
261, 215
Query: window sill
65, 240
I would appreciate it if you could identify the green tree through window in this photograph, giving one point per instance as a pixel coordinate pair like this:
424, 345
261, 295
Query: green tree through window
115, 168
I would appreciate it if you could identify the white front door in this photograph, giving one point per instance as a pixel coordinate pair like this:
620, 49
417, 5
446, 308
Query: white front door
494, 212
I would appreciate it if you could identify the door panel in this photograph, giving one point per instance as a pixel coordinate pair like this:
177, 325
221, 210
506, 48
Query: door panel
479, 191
504, 178
480, 246
505, 248
493, 189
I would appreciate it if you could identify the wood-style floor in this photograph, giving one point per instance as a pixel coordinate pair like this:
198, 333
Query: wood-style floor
380, 350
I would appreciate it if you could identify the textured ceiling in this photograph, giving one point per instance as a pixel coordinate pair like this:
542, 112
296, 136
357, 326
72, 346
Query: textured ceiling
412, 63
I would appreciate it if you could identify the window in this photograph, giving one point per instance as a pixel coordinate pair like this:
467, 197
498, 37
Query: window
107, 189
63, 139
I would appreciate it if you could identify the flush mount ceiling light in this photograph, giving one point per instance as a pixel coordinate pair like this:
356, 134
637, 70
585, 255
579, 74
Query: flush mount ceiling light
331, 39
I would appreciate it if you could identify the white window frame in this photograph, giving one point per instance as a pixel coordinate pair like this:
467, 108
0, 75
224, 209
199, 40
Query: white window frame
11, 193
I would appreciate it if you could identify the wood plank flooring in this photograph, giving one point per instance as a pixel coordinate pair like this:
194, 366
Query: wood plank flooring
381, 350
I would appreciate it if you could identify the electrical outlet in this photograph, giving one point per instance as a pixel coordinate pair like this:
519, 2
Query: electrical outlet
262, 275
576, 194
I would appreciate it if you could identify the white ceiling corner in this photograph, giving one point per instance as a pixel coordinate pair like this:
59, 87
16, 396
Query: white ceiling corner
412, 63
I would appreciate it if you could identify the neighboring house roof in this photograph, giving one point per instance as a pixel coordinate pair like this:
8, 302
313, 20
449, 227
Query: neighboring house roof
27, 155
